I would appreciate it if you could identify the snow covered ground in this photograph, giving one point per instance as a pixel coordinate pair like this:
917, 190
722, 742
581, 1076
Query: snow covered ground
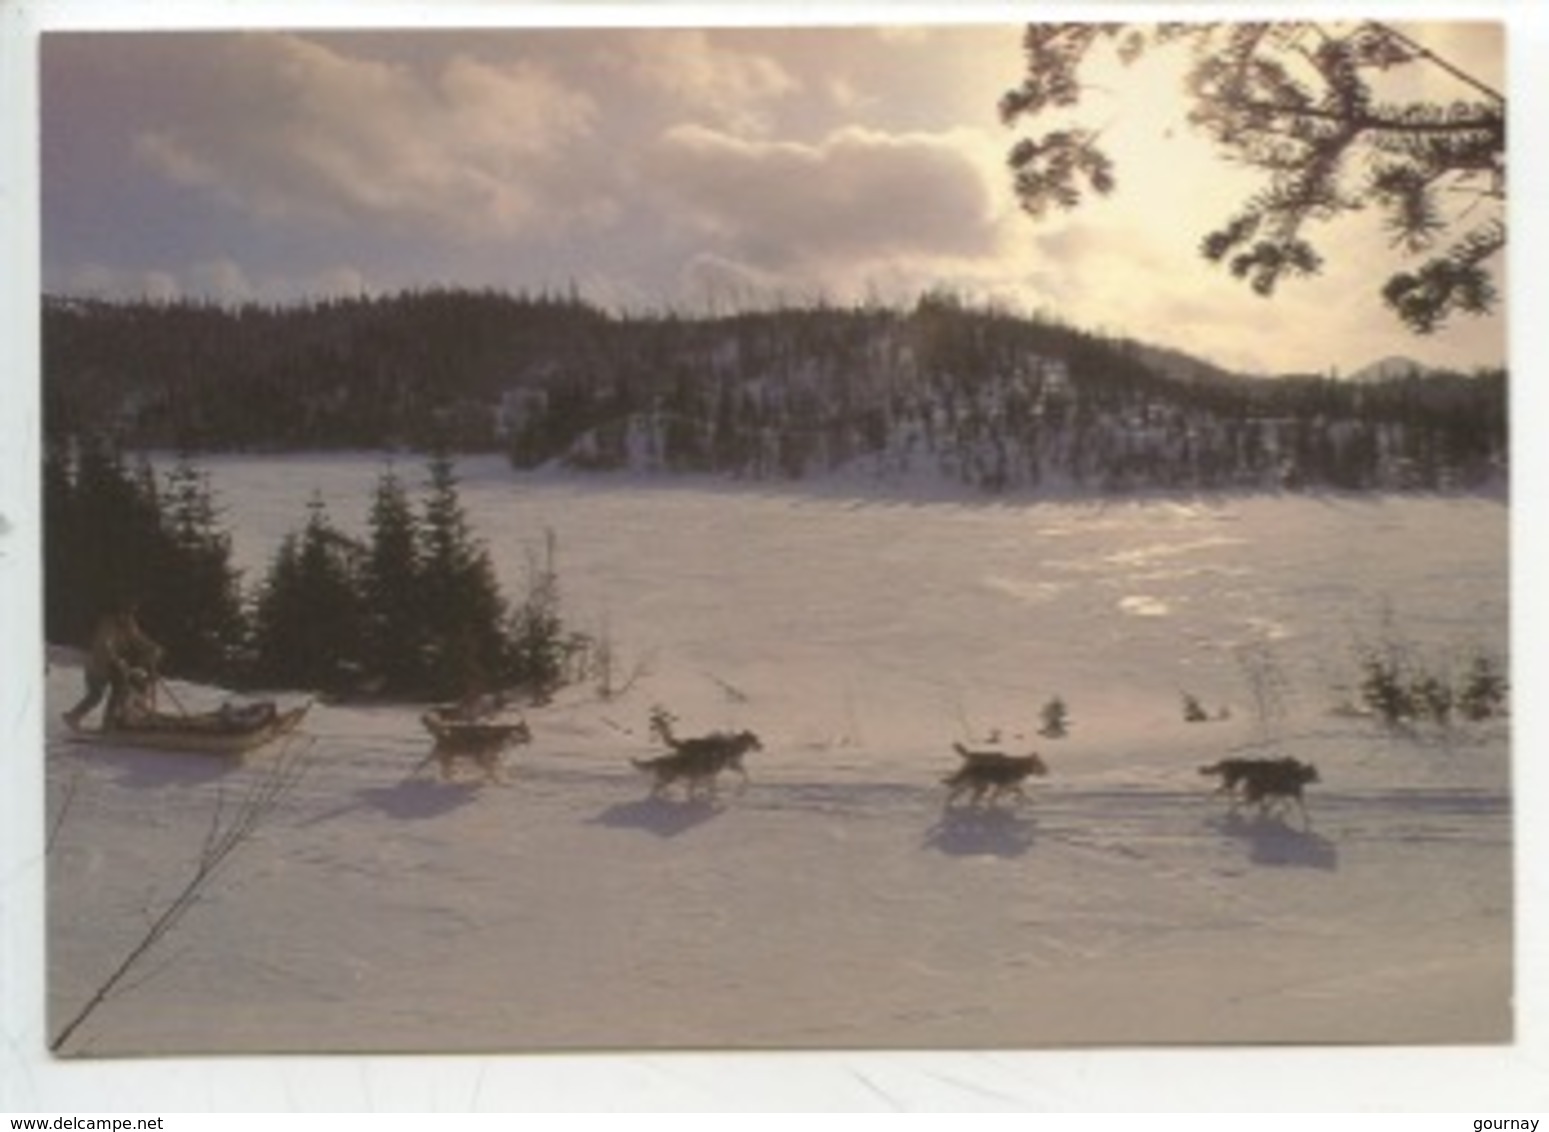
834, 903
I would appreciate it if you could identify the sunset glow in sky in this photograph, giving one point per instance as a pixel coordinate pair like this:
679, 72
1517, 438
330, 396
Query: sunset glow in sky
693, 168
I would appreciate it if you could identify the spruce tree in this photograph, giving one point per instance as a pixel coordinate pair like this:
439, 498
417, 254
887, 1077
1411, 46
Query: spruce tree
394, 626
196, 596
64, 619
113, 535
111, 546
307, 631
465, 614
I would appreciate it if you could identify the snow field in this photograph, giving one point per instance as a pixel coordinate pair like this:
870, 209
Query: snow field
834, 903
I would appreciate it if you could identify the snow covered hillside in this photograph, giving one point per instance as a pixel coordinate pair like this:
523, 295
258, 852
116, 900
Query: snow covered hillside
834, 903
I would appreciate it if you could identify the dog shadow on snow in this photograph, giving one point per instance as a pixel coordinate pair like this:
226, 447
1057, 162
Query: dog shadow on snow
665, 817
1270, 841
971, 831
416, 799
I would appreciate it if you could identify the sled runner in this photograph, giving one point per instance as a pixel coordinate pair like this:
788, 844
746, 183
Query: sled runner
228, 730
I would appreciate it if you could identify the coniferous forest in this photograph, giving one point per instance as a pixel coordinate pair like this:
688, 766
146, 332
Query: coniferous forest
942, 390
980, 396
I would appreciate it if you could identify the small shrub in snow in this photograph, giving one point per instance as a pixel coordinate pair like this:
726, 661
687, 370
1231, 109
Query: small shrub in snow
1405, 694
1434, 698
543, 655
1385, 689
1483, 694
1056, 719
1268, 688
600, 663
1402, 688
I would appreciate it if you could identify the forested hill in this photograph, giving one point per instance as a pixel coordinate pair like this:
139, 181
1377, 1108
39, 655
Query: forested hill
942, 389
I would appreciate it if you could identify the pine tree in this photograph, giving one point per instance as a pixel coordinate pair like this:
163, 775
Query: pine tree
64, 619
394, 628
196, 599
112, 543
307, 631
465, 614
113, 535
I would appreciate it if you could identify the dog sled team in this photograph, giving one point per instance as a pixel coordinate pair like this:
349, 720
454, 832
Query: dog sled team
122, 668
982, 779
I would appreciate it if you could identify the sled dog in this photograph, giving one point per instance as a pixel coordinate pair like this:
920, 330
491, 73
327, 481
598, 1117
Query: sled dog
698, 761
1232, 773
1267, 783
992, 774
482, 746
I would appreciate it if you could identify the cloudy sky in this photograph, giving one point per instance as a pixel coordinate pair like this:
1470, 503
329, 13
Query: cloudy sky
696, 168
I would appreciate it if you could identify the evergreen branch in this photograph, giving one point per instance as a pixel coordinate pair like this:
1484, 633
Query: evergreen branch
1290, 99
1491, 124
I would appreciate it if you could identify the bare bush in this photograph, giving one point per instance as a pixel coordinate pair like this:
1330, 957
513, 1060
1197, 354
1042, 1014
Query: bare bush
1405, 686
231, 827
1269, 689
1193, 710
1055, 718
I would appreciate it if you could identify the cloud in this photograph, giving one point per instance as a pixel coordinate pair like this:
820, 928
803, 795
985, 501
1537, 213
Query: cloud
680, 166
858, 196
1108, 271
468, 148
688, 69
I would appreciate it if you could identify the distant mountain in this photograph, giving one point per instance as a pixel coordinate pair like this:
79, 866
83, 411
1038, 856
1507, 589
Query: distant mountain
1388, 368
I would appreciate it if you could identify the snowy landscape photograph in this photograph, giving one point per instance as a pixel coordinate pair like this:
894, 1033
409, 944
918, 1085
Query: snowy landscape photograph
935, 536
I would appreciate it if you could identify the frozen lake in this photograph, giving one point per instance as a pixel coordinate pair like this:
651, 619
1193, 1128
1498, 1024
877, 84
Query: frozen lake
955, 603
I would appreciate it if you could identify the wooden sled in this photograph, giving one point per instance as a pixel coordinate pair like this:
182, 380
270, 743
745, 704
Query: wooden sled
229, 730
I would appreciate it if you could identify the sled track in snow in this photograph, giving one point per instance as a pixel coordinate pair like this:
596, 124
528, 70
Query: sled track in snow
397, 780
1418, 813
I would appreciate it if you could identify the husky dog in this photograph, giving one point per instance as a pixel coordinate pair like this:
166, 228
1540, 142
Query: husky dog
991, 773
480, 743
1232, 773
1266, 783
698, 761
